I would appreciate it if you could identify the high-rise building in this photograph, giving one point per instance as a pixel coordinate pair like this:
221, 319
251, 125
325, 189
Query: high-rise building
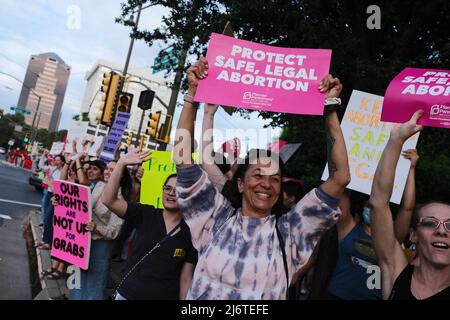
45, 85
93, 96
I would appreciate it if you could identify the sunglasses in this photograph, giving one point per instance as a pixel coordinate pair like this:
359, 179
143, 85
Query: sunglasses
168, 189
433, 223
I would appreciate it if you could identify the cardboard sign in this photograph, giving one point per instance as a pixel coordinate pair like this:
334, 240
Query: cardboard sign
156, 172
255, 76
288, 150
96, 145
365, 138
114, 137
57, 148
276, 145
71, 241
77, 132
232, 147
414, 89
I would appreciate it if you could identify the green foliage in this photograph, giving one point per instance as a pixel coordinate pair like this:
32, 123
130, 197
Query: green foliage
7, 123
47, 138
412, 34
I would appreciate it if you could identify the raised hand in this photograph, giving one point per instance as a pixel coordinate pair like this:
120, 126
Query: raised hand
211, 108
332, 86
197, 72
136, 157
54, 201
412, 155
74, 146
407, 129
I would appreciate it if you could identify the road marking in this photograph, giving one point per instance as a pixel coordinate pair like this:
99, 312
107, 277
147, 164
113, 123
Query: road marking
24, 203
4, 216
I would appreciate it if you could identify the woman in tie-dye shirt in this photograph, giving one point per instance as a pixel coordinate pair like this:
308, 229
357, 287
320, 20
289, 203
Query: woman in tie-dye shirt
240, 253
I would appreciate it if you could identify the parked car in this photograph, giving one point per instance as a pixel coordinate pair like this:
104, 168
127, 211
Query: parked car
35, 179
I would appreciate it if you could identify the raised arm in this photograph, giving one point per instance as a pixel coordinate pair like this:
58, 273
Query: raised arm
184, 136
389, 253
338, 168
208, 164
109, 196
44, 157
82, 178
403, 220
65, 169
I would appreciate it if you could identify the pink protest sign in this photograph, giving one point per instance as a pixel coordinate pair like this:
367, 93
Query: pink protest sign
414, 89
232, 146
255, 76
276, 146
71, 240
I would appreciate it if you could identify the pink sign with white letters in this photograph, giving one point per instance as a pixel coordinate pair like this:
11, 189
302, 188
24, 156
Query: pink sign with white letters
414, 89
255, 76
71, 240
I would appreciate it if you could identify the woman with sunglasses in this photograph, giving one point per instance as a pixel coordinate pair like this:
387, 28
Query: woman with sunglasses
428, 277
165, 273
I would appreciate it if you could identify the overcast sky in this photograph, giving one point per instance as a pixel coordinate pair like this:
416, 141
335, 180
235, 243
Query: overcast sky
38, 26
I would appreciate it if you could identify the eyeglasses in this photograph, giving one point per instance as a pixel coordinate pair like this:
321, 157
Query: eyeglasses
433, 223
168, 189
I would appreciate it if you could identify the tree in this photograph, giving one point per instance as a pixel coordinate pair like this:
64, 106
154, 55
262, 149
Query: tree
7, 124
186, 29
411, 35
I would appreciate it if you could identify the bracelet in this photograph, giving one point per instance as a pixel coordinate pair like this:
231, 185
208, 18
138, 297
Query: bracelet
190, 99
79, 168
332, 104
332, 101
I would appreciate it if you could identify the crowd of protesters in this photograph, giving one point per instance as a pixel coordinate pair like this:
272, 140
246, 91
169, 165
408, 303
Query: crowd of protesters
243, 230
19, 158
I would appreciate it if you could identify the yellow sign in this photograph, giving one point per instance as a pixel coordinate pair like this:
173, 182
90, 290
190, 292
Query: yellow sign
156, 171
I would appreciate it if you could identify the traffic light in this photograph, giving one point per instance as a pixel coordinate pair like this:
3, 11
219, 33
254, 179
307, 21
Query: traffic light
124, 103
152, 127
142, 142
146, 99
27, 137
164, 133
130, 138
109, 86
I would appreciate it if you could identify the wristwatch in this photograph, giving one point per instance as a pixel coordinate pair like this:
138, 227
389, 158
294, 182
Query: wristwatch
332, 104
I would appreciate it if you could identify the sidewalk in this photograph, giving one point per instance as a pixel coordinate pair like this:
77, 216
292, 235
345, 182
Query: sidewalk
54, 289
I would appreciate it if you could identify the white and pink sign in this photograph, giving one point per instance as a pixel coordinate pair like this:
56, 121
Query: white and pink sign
260, 77
232, 147
414, 89
71, 240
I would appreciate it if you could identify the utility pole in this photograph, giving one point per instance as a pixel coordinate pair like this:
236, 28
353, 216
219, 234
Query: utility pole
127, 62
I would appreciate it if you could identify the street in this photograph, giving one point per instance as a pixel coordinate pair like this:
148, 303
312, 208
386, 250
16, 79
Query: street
17, 198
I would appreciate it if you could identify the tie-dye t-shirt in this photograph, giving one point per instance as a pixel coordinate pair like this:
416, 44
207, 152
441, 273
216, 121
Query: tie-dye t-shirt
240, 256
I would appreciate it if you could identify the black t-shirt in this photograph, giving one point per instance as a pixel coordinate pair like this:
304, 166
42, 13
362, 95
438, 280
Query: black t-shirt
158, 275
402, 288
